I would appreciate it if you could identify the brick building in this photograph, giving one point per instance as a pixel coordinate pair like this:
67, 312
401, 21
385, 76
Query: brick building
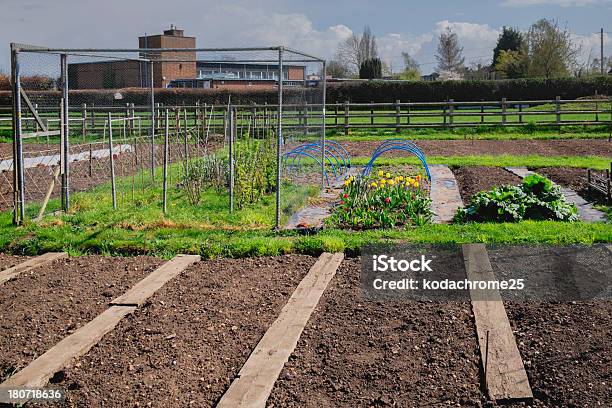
186, 72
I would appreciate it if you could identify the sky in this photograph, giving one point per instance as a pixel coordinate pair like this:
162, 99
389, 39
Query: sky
313, 26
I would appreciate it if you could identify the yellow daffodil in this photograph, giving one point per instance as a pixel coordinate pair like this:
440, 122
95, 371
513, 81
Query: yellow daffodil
382, 182
380, 173
401, 178
374, 184
388, 175
347, 183
410, 180
416, 184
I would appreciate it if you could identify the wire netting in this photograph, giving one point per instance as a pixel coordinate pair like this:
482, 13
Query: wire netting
167, 129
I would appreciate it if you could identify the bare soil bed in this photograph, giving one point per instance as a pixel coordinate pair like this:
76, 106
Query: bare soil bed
8, 261
567, 351
41, 307
187, 344
358, 352
573, 178
572, 147
473, 179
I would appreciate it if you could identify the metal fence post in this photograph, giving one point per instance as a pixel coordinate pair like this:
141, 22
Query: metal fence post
152, 91
165, 181
18, 170
231, 125
66, 134
112, 161
279, 139
324, 127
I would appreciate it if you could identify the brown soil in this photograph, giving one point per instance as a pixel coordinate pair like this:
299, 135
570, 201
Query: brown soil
574, 178
356, 352
572, 147
41, 307
567, 351
188, 343
473, 179
8, 261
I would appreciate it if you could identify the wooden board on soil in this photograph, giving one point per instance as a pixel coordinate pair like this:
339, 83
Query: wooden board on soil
505, 376
357, 352
258, 375
37, 310
29, 265
188, 342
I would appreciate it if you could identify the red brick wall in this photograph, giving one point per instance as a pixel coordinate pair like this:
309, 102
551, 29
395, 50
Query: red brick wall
108, 74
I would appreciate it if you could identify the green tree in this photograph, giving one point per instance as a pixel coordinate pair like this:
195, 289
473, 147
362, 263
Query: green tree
510, 39
550, 50
371, 69
512, 64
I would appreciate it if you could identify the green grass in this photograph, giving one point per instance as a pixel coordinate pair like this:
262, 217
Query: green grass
593, 162
475, 133
115, 239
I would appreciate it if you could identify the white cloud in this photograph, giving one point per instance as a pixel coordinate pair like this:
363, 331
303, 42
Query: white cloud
561, 3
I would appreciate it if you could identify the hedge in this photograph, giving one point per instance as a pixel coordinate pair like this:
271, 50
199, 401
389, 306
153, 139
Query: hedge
352, 91
464, 91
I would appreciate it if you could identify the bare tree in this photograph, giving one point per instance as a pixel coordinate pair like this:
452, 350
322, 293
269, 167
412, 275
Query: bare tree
410, 64
356, 49
551, 50
449, 54
337, 69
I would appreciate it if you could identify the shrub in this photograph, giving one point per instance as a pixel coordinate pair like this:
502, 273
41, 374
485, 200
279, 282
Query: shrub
537, 198
255, 171
385, 201
200, 173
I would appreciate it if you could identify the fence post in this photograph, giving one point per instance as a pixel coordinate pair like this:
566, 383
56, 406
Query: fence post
153, 121
520, 113
397, 116
165, 181
306, 117
279, 139
66, 126
112, 161
481, 111
558, 112
231, 127
84, 124
346, 118
18, 171
408, 115
371, 113
335, 115
503, 107
451, 110
186, 143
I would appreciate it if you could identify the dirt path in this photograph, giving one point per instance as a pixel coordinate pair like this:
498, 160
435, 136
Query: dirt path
362, 353
41, 307
187, 344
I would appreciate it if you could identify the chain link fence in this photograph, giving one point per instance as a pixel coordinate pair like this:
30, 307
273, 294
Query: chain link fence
166, 127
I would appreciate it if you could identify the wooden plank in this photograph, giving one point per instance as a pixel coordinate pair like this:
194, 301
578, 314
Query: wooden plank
505, 377
30, 264
138, 294
32, 109
258, 375
38, 372
444, 194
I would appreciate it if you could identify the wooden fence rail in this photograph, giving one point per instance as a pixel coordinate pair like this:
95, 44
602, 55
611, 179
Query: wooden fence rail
349, 116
